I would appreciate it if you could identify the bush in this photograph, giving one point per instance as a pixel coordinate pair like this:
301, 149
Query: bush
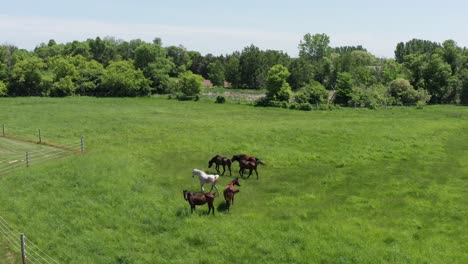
263, 101
189, 83
313, 93
420, 105
372, 97
404, 93
305, 107
3, 89
220, 99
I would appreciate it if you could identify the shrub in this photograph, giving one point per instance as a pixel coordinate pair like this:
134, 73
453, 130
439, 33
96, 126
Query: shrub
263, 101
189, 83
220, 99
404, 93
313, 93
420, 105
305, 107
3, 89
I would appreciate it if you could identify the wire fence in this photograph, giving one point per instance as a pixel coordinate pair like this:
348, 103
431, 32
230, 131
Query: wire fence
28, 147
28, 251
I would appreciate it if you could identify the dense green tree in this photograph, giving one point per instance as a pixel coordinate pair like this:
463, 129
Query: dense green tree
302, 72
102, 50
27, 77
315, 47
344, 86
216, 73
277, 86
232, 71
152, 60
250, 67
89, 75
123, 79
50, 49
63, 87
181, 59
436, 75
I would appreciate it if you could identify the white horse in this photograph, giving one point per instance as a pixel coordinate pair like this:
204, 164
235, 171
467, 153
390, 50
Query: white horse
206, 178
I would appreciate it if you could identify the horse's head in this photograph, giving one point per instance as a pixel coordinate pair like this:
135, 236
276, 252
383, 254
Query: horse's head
236, 182
195, 172
235, 158
185, 195
210, 163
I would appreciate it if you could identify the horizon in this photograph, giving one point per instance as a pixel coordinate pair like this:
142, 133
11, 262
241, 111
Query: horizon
223, 28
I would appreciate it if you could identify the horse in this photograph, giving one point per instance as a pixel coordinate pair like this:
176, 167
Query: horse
250, 165
219, 160
206, 178
240, 157
199, 199
229, 192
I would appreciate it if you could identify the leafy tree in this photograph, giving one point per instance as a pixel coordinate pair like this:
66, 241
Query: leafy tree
250, 67
102, 50
26, 77
302, 72
122, 79
190, 84
278, 88
232, 72
50, 49
181, 59
216, 73
76, 48
152, 60
344, 86
63, 87
89, 75
464, 86
452, 54
314, 47
436, 75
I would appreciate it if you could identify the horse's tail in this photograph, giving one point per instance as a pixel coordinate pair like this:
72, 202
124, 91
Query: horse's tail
259, 161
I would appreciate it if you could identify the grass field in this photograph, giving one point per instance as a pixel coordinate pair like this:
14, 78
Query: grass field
344, 186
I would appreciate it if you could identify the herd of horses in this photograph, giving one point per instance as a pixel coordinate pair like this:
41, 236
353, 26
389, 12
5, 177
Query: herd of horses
245, 163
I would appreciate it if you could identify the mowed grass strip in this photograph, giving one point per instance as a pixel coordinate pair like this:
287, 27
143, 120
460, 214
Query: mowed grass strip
349, 186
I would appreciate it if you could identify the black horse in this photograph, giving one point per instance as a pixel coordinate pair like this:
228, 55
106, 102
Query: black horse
219, 160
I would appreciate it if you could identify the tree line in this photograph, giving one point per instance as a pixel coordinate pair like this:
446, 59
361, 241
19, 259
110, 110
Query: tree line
422, 71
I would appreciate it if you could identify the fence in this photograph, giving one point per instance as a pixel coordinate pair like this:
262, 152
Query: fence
46, 147
20, 244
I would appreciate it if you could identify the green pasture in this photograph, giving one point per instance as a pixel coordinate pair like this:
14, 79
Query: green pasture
343, 186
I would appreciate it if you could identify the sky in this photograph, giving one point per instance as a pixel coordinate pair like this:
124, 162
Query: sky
222, 27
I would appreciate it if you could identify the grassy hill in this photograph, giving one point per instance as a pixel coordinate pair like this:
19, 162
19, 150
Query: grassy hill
344, 186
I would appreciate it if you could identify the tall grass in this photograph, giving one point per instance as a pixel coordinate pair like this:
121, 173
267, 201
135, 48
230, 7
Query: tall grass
344, 186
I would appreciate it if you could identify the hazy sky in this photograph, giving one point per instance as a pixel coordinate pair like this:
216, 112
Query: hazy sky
220, 27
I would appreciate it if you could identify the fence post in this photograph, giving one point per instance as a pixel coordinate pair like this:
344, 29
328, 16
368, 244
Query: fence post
40, 139
27, 159
23, 249
3, 129
82, 144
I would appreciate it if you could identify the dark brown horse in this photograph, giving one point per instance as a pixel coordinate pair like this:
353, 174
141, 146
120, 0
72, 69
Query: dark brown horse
219, 160
229, 192
247, 165
240, 157
199, 199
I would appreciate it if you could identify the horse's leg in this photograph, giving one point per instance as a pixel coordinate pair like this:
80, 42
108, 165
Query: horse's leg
224, 169
217, 191
217, 167
256, 172
229, 167
241, 174
250, 173
203, 189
